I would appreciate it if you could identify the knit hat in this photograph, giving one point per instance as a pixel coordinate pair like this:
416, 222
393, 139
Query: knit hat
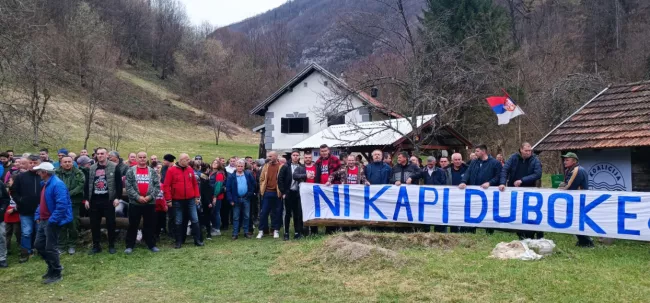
83, 160
169, 157
62, 151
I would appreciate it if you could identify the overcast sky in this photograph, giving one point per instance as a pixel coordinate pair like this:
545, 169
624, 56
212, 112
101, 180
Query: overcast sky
225, 12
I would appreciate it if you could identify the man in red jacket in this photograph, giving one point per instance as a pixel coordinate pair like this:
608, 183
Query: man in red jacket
182, 191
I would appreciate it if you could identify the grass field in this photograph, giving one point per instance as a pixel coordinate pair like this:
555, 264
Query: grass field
270, 270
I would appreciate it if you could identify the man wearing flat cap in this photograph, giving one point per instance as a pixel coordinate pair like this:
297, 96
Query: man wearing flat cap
576, 178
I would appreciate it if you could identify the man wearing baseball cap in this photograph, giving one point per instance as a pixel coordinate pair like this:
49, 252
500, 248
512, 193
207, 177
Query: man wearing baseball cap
576, 178
53, 211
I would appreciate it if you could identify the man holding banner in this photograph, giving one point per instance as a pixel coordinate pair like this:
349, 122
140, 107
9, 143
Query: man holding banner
307, 173
485, 171
576, 178
325, 165
522, 169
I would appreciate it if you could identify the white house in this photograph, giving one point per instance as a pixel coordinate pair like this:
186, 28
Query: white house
292, 113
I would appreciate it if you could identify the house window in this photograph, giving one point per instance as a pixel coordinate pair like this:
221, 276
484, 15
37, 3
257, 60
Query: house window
294, 125
335, 120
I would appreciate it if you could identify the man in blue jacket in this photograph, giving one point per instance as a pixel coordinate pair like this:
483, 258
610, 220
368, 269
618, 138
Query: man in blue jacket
54, 211
485, 171
377, 172
523, 169
240, 187
576, 178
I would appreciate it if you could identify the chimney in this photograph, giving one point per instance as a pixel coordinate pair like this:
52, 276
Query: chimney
374, 92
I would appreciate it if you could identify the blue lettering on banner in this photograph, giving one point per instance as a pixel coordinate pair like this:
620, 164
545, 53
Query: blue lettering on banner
513, 208
569, 210
403, 201
622, 215
468, 205
527, 208
370, 202
346, 201
445, 205
422, 202
584, 210
318, 194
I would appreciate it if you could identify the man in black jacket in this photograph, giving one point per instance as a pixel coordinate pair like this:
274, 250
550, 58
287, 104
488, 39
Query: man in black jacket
4, 203
404, 172
290, 190
26, 191
484, 171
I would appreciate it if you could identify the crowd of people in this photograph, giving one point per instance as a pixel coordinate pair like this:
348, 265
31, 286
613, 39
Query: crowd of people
42, 200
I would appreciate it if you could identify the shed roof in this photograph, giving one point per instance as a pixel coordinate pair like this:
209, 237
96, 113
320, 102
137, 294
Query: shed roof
619, 116
375, 133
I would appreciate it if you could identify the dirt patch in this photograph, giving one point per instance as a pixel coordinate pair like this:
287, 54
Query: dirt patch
357, 246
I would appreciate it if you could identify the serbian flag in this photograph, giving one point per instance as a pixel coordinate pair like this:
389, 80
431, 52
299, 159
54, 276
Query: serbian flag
505, 108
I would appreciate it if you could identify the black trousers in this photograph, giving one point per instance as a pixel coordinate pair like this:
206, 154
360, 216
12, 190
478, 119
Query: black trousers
47, 243
161, 224
147, 213
102, 208
293, 208
206, 218
226, 214
255, 212
171, 222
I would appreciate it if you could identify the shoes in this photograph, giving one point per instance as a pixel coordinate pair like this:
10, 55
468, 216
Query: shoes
234, 237
199, 243
208, 238
248, 236
154, 249
286, 237
3, 264
177, 246
297, 236
71, 251
47, 274
217, 233
95, 251
24, 256
128, 251
53, 278
260, 235
60, 251
112, 251
276, 234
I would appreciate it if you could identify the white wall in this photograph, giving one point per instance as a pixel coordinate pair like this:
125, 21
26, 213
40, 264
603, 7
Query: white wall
608, 169
304, 100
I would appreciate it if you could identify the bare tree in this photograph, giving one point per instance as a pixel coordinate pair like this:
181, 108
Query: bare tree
220, 126
115, 134
170, 24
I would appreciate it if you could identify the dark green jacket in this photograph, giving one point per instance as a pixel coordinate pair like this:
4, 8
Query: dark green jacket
74, 180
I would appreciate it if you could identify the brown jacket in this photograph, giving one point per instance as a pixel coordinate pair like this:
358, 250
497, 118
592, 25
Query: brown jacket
263, 178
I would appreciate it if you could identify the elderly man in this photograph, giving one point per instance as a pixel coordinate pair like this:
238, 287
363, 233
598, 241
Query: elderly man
523, 169
142, 187
576, 178
54, 211
101, 195
240, 188
485, 171
181, 191
271, 194
74, 180
377, 172
432, 175
114, 157
351, 173
290, 190
26, 191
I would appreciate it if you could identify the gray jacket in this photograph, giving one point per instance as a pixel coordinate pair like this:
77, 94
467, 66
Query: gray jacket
132, 186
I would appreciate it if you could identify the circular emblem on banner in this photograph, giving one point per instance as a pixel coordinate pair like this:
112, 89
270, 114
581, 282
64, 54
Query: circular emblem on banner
605, 176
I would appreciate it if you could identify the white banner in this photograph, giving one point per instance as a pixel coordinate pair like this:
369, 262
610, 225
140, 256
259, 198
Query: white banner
624, 215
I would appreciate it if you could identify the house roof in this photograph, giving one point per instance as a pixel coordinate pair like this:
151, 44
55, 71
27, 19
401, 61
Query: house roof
619, 116
372, 133
260, 109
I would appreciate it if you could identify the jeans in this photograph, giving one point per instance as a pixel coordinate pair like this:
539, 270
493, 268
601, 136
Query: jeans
271, 203
3, 245
293, 209
98, 210
148, 214
27, 228
216, 215
47, 242
241, 207
188, 206
70, 232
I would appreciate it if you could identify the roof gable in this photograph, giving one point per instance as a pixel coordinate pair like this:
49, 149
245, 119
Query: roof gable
260, 109
619, 116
